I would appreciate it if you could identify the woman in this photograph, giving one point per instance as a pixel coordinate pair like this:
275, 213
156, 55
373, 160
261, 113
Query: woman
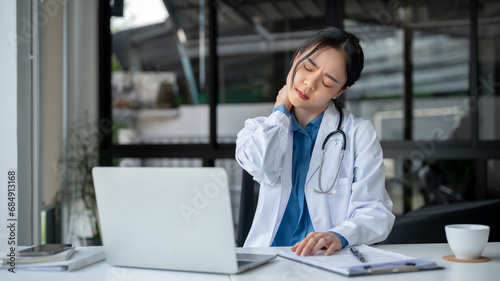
349, 204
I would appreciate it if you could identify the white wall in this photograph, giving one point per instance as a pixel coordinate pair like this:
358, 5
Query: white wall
8, 109
51, 88
69, 78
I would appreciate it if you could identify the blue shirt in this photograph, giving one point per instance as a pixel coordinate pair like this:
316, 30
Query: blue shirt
296, 222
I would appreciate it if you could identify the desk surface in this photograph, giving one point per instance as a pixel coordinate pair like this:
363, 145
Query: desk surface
283, 269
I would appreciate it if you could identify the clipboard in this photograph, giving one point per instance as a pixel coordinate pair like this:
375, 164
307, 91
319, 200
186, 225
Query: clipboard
377, 261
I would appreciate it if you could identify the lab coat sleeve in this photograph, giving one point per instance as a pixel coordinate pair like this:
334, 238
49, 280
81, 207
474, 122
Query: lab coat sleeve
261, 146
370, 217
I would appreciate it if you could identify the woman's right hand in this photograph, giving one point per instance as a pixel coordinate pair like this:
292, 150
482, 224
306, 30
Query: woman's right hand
282, 98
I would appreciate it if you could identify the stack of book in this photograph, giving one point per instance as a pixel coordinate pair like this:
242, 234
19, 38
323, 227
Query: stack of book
67, 260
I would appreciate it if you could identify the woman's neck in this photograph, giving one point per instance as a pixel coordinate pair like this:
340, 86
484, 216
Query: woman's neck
304, 116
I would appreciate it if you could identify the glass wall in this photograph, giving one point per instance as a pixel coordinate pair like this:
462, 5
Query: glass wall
160, 68
415, 87
489, 69
158, 92
432, 70
493, 168
488, 85
431, 182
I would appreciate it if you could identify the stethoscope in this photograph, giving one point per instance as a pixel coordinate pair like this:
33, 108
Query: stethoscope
329, 191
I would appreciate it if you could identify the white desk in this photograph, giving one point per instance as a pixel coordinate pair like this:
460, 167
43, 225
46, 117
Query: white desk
283, 269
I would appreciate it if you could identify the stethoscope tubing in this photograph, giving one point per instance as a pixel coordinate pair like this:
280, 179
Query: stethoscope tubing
336, 175
329, 190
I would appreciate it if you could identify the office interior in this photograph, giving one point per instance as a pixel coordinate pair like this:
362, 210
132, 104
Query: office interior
95, 82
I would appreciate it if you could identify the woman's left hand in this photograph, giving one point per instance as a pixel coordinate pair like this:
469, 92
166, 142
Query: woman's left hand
316, 241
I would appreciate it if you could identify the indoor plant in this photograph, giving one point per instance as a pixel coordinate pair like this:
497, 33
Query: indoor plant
80, 155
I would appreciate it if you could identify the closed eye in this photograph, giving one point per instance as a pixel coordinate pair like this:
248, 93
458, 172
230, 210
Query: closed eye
326, 74
313, 64
328, 86
310, 69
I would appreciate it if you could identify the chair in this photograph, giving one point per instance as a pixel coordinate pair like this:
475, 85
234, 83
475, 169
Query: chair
426, 225
248, 203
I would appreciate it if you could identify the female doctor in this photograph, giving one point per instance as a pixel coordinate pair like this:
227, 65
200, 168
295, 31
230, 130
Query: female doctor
308, 200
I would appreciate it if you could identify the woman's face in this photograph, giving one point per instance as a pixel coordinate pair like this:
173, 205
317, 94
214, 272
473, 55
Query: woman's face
319, 78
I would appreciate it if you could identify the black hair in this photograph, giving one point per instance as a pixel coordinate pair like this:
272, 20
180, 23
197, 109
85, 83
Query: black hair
347, 43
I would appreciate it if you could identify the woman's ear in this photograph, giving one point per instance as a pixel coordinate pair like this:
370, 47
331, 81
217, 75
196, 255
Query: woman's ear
340, 93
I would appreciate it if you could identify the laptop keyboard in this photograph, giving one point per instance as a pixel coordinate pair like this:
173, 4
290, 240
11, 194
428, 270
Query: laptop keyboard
243, 263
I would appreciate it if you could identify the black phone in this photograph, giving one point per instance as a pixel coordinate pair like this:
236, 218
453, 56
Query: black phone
44, 249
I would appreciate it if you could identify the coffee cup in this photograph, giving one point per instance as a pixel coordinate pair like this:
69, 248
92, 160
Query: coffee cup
467, 241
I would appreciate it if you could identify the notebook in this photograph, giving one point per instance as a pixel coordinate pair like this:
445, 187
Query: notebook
169, 218
82, 257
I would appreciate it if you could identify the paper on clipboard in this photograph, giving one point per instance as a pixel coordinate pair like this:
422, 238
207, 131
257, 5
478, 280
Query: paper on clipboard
378, 261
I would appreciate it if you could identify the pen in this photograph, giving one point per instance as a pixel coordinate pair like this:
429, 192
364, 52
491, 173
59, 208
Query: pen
357, 254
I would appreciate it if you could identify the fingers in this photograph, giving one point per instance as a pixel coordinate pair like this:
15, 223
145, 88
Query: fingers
320, 244
330, 251
306, 246
282, 98
291, 72
335, 245
316, 241
299, 247
289, 78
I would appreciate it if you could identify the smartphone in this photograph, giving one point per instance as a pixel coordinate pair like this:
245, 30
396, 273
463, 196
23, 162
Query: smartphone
44, 249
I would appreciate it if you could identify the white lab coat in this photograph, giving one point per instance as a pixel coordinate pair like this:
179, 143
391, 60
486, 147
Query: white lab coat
360, 209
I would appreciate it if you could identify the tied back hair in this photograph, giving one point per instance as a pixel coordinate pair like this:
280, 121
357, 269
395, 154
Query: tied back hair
343, 41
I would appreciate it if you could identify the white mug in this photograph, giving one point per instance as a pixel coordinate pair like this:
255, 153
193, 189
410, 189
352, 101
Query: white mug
467, 241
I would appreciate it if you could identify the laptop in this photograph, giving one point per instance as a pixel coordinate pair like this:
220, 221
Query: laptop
169, 218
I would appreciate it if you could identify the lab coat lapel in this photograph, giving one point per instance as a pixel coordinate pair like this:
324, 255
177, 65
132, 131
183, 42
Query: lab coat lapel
286, 178
328, 125
276, 211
